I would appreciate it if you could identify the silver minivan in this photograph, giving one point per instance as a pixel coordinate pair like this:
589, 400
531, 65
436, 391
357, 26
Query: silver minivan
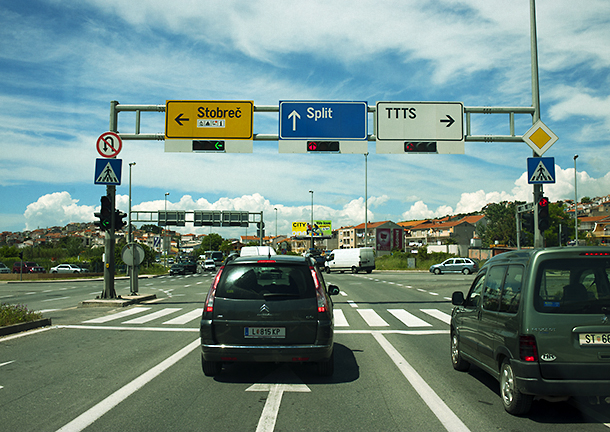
539, 322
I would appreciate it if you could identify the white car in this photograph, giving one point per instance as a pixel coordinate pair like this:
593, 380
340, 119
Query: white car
66, 268
209, 265
4, 269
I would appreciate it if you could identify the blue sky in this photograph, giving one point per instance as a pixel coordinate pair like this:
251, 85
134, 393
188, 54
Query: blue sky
63, 61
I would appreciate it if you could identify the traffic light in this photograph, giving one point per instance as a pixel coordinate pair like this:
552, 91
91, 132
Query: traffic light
420, 147
528, 222
544, 221
104, 214
260, 229
119, 223
214, 145
322, 146
563, 235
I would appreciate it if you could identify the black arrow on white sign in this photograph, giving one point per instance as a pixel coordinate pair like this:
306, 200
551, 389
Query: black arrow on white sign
449, 120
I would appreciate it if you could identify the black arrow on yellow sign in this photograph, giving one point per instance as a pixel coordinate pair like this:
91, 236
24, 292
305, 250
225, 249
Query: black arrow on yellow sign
180, 119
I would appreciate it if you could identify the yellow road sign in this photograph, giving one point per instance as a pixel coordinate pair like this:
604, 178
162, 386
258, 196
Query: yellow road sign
539, 137
209, 119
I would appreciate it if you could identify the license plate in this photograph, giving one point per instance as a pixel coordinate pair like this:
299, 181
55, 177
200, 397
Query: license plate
265, 332
594, 338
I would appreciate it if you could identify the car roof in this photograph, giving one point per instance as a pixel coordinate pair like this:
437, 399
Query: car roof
280, 259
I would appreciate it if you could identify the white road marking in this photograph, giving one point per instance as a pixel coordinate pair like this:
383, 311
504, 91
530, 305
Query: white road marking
447, 417
446, 318
409, 319
94, 413
119, 315
340, 320
152, 316
372, 318
187, 317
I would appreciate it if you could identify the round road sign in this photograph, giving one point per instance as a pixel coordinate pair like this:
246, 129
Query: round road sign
109, 144
132, 254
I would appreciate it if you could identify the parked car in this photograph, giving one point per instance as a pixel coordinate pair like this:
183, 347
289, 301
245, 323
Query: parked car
455, 265
3, 268
209, 265
177, 268
539, 322
66, 268
268, 309
354, 260
26, 267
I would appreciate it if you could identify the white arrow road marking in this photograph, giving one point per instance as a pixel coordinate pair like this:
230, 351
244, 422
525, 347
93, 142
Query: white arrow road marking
4, 364
272, 405
293, 115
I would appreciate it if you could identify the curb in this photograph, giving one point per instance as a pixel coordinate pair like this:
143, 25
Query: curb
18, 328
117, 302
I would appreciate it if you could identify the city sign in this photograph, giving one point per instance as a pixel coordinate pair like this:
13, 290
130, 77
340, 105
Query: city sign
109, 144
108, 171
419, 121
540, 138
541, 170
209, 119
319, 120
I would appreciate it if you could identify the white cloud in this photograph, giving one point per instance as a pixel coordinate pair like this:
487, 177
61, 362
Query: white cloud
56, 209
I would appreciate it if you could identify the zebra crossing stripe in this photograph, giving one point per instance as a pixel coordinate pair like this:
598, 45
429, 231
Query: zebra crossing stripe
152, 316
409, 319
187, 317
340, 320
118, 315
372, 318
446, 318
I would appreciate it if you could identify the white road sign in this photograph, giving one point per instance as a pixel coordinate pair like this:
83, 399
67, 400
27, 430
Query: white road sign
419, 121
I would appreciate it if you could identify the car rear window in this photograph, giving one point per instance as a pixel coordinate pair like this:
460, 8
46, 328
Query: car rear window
573, 286
266, 282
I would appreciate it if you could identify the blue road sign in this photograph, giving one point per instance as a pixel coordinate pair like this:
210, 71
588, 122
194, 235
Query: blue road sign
320, 120
540, 170
108, 171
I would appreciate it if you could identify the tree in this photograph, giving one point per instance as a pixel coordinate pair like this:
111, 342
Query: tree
152, 228
211, 242
501, 225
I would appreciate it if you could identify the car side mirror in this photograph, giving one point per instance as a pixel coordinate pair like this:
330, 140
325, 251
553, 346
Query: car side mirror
333, 289
457, 298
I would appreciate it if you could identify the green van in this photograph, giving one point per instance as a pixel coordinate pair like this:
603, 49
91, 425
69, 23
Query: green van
539, 322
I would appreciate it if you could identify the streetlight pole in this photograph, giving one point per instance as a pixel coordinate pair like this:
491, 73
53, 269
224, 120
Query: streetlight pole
133, 273
575, 205
129, 230
366, 210
311, 192
275, 222
165, 229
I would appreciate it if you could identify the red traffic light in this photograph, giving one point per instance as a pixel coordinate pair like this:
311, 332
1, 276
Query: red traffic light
544, 202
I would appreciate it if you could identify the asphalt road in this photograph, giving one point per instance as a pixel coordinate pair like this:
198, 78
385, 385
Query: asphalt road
138, 368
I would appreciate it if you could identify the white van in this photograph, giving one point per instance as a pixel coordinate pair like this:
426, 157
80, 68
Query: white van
351, 259
257, 250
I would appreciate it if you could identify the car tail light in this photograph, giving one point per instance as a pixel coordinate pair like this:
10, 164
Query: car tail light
322, 303
209, 300
528, 350
267, 261
595, 253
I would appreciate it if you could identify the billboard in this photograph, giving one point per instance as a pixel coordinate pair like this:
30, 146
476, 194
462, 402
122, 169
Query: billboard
389, 239
321, 229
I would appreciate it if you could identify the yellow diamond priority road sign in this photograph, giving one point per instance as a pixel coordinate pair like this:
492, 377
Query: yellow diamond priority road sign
540, 138
229, 120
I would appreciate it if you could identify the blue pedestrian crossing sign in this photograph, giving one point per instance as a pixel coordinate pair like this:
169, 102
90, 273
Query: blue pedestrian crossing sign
108, 171
540, 170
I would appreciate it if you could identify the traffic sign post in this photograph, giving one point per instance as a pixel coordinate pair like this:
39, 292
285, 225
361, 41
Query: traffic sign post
541, 170
109, 144
209, 119
305, 122
400, 123
108, 171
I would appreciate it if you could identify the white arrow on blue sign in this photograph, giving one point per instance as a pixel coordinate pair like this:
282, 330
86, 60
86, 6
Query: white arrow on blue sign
108, 171
541, 170
320, 120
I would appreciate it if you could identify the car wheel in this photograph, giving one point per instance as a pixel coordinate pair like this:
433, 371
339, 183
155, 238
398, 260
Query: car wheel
437, 271
354, 270
466, 271
210, 368
327, 367
457, 361
514, 401
328, 270
369, 271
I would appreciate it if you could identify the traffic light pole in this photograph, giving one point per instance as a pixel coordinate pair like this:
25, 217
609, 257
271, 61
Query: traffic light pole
109, 239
